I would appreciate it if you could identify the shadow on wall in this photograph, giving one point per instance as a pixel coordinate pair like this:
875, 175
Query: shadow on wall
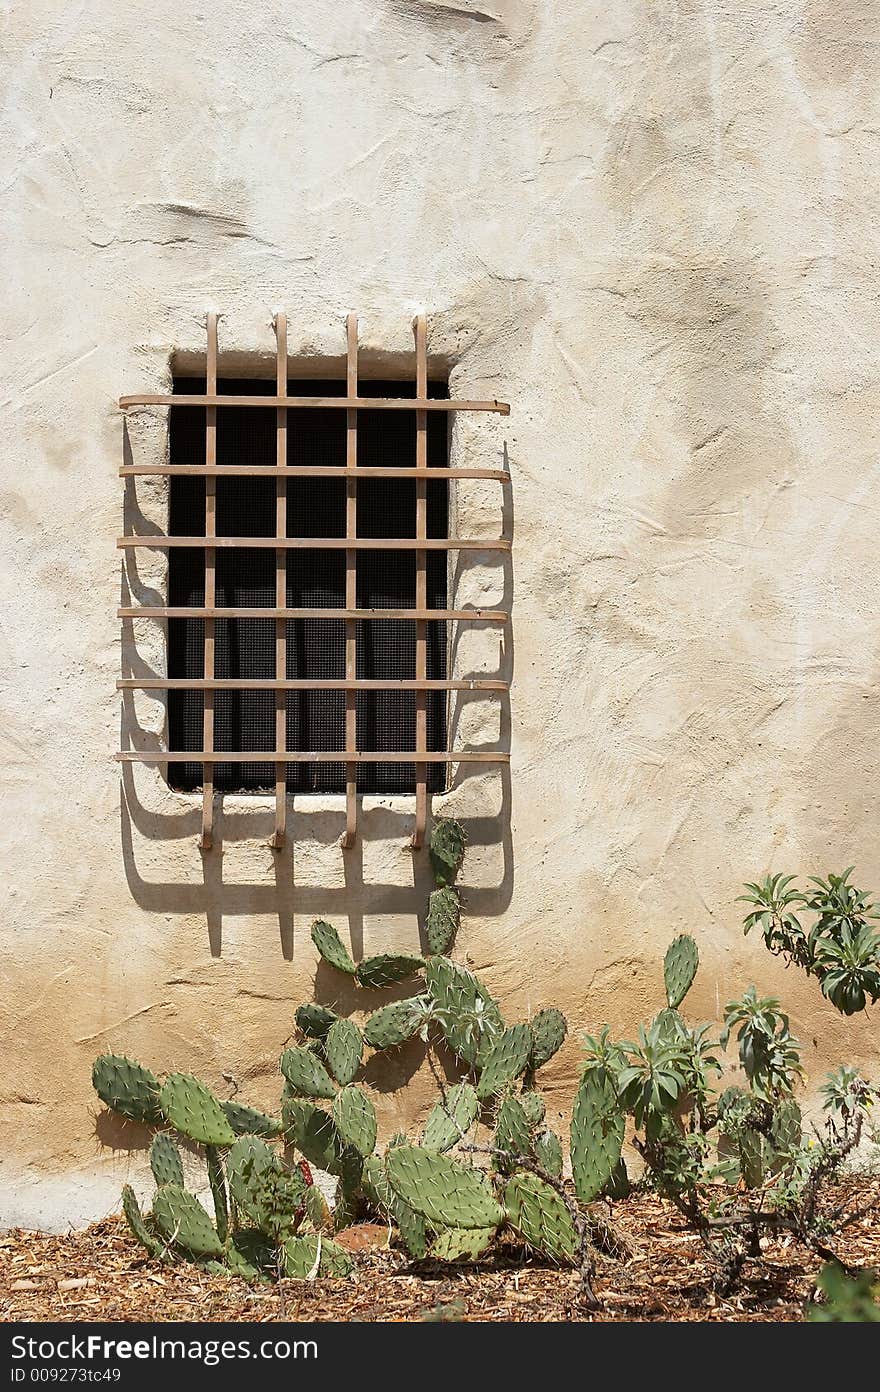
176, 817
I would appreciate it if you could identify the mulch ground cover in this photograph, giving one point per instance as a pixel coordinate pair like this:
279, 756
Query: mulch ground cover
102, 1274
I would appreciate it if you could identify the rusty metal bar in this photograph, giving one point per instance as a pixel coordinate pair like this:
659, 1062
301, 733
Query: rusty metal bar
206, 839
276, 840
351, 451
320, 403
421, 770
319, 756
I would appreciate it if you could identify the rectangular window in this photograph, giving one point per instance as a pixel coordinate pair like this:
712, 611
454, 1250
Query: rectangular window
307, 608
244, 648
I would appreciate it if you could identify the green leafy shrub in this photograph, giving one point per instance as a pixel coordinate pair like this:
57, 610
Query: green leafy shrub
840, 949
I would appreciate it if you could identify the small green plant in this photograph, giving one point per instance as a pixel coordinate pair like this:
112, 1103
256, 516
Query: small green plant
738, 1162
840, 949
848, 1299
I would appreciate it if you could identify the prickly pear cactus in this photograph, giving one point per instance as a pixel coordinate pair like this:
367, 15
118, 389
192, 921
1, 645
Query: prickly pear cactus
548, 1153
549, 1027
508, 1057
165, 1161
330, 946
306, 1073
680, 968
313, 1255
247, 1121
355, 1118
127, 1088
786, 1127
534, 1107
247, 1163
753, 1157
137, 1223
537, 1213
386, 969
467, 1015
314, 1020
451, 1119
182, 1220
513, 1135
446, 846
461, 1244
392, 1025
443, 1192
313, 1132
193, 1110
343, 1049
597, 1124
217, 1181
441, 925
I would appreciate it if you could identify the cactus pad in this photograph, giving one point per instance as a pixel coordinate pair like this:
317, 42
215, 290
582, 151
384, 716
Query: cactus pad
596, 1136
306, 1073
534, 1107
314, 1020
331, 948
343, 1048
448, 1195
411, 1228
387, 968
446, 846
192, 1109
512, 1131
394, 1024
455, 992
441, 925
313, 1254
127, 1088
549, 1027
457, 1244
313, 1132
165, 1161
540, 1217
450, 1120
217, 1181
182, 1220
355, 1118
247, 1121
680, 968
548, 1153
507, 1058
247, 1163
135, 1220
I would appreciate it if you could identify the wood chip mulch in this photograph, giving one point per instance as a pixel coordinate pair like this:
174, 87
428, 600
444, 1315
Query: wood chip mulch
102, 1274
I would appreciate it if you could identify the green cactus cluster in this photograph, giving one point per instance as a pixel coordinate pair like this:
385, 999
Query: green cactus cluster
268, 1217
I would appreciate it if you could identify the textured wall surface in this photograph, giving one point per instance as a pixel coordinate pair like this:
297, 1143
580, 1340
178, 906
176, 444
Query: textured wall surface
652, 229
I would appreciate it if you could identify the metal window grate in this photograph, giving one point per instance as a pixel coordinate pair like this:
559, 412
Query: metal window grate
307, 609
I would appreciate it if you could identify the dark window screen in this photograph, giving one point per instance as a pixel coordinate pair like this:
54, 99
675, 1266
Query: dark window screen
315, 647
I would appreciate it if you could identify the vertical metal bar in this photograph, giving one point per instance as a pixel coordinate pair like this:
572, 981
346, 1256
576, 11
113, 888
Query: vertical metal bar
348, 836
207, 837
276, 840
420, 330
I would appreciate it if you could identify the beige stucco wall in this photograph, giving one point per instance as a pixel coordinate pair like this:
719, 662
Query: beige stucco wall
652, 229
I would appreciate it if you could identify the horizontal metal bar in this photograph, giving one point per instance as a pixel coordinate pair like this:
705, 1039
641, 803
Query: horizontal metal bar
429, 615
339, 403
160, 542
310, 684
323, 756
302, 471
